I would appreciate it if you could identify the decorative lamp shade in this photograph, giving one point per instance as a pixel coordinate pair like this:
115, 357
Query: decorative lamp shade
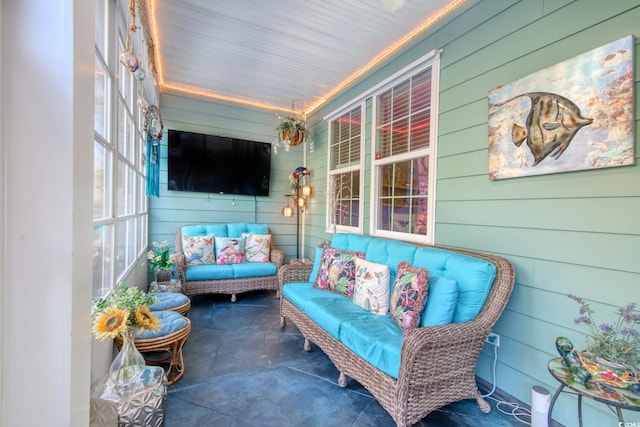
306, 190
302, 202
287, 211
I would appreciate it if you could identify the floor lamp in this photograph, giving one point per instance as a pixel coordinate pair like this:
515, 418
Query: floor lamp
299, 197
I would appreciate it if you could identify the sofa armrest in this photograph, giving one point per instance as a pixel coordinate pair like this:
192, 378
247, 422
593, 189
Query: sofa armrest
294, 273
277, 256
181, 266
431, 355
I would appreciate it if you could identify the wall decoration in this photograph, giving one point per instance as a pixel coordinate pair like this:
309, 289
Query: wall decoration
574, 115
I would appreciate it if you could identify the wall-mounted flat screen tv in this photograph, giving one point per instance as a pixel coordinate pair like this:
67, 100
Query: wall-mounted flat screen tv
217, 164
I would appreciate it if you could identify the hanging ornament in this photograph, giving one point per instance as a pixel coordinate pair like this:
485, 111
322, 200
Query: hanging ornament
126, 57
140, 74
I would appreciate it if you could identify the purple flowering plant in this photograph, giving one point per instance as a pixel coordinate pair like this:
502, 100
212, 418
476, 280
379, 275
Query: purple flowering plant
617, 342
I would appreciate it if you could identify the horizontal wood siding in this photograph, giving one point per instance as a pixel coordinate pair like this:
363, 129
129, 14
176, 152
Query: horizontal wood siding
575, 232
565, 233
176, 208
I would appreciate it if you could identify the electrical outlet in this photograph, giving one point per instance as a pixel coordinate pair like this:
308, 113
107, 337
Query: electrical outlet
493, 339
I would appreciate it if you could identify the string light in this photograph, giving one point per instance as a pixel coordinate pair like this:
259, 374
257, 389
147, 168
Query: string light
427, 23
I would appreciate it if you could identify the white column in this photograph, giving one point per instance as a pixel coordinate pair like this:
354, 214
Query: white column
47, 58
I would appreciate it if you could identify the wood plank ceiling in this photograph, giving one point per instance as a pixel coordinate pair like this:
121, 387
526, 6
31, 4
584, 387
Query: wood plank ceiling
276, 54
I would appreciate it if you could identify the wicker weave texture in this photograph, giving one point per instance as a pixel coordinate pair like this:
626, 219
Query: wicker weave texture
165, 351
226, 286
437, 364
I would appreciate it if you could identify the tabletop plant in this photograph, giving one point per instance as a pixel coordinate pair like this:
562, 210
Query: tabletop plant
160, 257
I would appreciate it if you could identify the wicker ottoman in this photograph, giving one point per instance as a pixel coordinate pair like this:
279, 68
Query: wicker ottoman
171, 301
164, 347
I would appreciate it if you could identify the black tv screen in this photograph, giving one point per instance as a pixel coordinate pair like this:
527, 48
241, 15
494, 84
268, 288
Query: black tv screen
217, 164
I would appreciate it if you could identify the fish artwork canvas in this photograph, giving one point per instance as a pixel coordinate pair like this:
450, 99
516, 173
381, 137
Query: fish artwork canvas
575, 115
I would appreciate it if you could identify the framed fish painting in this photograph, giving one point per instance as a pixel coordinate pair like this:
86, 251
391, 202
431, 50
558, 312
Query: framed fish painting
575, 115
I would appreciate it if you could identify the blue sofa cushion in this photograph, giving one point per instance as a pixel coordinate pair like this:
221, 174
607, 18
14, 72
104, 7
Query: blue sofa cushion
230, 271
391, 253
168, 300
234, 229
254, 269
474, 277
377, 339
209, 272
170, 322
316, 264
441, 302
351, 242
205, 230
329, 310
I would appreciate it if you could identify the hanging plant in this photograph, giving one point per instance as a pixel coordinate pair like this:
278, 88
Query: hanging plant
291, 132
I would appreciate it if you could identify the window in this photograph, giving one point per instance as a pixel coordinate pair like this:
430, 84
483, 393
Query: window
346, 151
119, 201
404, 160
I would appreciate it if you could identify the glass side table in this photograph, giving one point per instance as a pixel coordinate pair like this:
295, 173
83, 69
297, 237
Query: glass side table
613, 397
146, 407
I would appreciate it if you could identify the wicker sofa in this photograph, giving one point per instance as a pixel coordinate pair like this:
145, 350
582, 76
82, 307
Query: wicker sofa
409, 374
212, 278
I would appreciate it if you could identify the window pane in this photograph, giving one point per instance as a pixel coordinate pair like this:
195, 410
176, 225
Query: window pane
101, 100
125, 189
403, 196
102, 260
102, 169
345, 203
132, 234
142, 154
142, 234
101, 27
122, 246
403, 116
345, 141
125, 132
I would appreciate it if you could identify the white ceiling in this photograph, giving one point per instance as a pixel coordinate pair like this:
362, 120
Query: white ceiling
278, 53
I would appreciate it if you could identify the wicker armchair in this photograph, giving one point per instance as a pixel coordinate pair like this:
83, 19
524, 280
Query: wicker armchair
437, 364
226, 286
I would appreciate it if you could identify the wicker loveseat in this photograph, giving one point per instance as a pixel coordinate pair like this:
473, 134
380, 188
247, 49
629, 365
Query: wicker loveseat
208, 277
409, 374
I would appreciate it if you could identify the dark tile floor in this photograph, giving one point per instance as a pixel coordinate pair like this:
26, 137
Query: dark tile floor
242, 369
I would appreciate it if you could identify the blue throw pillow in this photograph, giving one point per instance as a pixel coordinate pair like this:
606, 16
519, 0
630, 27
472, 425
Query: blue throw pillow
441, 302
316, 264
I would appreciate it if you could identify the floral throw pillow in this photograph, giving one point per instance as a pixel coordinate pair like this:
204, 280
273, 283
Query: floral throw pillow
229, 250
257, 247
408, 296
337, 271
371, 288
198, 249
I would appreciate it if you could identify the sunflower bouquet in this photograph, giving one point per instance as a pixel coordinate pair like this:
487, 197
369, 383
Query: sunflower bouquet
125, 307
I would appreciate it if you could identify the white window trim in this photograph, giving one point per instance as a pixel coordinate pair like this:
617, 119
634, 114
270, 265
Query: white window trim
432, 59
329, 226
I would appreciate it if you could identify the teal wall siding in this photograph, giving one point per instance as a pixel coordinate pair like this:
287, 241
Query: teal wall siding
175, 208
565, 233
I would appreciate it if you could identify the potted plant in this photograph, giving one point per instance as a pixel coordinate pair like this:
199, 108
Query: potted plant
161, 261
612, 354
291, 132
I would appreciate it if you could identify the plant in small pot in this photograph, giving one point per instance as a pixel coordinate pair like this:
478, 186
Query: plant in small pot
124, 312
161, 261
612, 354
